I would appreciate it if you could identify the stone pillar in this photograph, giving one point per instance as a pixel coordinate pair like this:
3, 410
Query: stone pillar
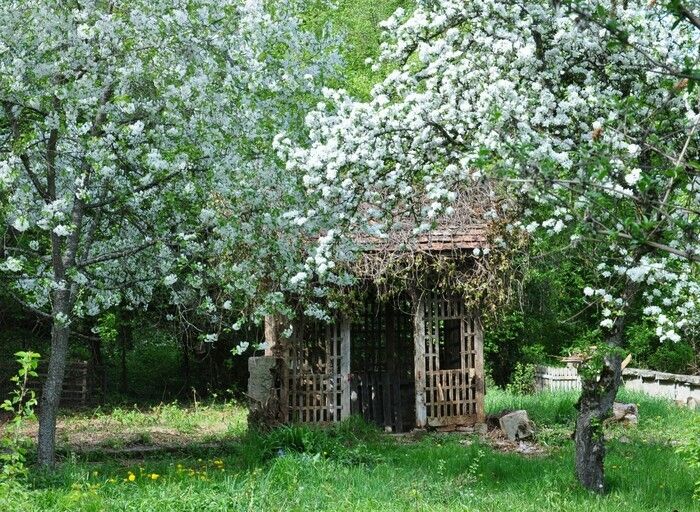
264, 384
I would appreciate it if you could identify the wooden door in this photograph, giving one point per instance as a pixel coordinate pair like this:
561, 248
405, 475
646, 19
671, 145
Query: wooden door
454, 363
315, 371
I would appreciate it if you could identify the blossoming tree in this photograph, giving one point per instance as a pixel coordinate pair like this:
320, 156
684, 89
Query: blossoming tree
587, 111
122, 126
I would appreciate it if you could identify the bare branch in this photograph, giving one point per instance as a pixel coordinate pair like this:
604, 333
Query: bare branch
31, 308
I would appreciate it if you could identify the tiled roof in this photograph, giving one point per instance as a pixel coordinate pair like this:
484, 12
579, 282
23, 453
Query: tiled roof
467, 237
445, 238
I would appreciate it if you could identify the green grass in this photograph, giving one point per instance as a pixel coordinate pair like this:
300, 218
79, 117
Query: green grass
353, 466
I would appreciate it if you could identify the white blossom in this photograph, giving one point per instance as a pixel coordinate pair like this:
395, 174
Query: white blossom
21, 224
633, 176
481, 83
12, 264
62, 230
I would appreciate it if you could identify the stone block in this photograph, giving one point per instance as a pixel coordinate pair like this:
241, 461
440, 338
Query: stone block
517, 425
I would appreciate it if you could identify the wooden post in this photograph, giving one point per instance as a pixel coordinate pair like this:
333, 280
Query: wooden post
277, 346
479, 368
271, 334
282, 352
419, 358
345, 368
83, 383
391, 399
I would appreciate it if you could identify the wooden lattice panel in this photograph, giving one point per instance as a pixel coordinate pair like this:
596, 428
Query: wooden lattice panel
315, 375
453, 363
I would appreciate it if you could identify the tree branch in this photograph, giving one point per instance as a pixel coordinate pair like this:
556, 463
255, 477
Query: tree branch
14, 123
689, 15
688, 255
116, 254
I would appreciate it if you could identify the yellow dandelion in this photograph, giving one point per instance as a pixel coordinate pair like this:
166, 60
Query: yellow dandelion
131, 477
155, 476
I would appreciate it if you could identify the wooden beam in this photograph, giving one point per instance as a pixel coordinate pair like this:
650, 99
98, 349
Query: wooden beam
345, 368
419, 358
282, 351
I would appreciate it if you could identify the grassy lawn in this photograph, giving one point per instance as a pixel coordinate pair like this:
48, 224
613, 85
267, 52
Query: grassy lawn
177, 458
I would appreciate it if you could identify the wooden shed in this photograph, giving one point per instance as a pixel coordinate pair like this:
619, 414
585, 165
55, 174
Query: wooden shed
413, 360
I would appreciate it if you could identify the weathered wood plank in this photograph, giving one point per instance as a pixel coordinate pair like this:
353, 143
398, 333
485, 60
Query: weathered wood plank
479, 368
419, 358
345, 348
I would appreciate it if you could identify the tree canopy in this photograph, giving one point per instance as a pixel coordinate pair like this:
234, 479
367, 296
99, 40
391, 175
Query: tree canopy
585, 111
134, 148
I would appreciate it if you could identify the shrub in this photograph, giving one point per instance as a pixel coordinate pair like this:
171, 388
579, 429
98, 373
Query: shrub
523, 379
649, 352
13, 446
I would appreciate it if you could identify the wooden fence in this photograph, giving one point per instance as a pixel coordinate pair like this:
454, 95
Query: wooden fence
556, 379
682, 389
75, 383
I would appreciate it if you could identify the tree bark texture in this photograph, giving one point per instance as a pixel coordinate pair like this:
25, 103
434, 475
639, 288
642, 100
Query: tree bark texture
595, 404
51, 392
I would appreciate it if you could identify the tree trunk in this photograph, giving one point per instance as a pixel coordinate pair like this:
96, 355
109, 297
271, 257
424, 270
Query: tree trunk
595, 404
186, 371
51, 392
598, 392
98, 367
125, 340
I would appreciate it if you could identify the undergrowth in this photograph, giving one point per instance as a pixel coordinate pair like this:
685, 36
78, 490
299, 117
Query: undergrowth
355, 466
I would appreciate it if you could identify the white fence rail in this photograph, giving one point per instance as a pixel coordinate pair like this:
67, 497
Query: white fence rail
682, 389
